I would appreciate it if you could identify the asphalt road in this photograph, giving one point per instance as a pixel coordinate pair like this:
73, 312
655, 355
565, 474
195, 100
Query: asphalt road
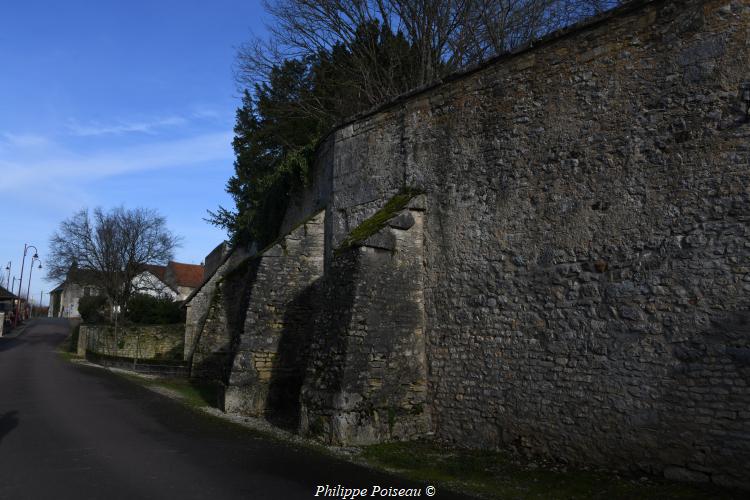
70, 431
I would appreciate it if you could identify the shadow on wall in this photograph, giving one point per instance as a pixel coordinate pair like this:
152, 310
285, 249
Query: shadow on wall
235, 291
324, 378
8, 422
292, 358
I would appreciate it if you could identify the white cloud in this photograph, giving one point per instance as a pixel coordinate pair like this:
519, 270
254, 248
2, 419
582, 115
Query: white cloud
58, 165
23, 140
124, 127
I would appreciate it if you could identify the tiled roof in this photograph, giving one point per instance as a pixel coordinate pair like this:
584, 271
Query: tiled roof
189, 275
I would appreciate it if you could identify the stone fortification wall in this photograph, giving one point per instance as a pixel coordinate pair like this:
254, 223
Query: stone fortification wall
271, 357
366, 380
587, 246
575, 280
213, 319
136, 342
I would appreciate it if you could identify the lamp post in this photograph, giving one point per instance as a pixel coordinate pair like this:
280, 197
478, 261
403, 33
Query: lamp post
31, 270
26, 248
7, 268
15, 301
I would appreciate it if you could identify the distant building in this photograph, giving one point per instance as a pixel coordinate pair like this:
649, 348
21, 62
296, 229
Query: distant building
175, 281
7, 306
65, 297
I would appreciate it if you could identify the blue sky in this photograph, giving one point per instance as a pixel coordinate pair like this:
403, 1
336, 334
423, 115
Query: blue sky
113, 103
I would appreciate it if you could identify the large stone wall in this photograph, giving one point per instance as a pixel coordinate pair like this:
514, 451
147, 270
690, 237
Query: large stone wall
271, 358
575, 283
587, 243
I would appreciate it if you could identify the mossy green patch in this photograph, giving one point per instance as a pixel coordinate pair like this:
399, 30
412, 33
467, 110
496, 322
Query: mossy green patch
492, 474
379, 219
196, 393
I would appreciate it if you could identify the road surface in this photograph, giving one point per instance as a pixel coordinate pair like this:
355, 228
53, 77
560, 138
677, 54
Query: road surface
70, 431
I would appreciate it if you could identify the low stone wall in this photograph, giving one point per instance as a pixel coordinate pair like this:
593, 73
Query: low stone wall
133, 342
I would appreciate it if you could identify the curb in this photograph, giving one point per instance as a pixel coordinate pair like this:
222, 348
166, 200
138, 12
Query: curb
15, 333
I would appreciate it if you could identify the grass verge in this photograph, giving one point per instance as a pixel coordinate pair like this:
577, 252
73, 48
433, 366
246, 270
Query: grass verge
195, 393
492, 474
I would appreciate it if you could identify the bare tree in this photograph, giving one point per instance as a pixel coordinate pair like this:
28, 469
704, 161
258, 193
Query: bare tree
111, 247
444, 36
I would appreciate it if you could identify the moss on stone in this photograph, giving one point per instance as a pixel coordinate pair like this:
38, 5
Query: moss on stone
379, 219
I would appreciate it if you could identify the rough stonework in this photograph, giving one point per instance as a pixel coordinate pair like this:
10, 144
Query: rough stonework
576, 279
586, 241
136, 342
271, 359
367, 376
213, 318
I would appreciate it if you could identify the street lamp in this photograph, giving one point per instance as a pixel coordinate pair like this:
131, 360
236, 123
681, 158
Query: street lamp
26, 248
28, 289
7, 268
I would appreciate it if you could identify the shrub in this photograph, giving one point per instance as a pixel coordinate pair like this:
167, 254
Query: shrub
149, 310
93, 309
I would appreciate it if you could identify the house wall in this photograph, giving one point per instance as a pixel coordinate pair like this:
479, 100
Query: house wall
149, 284
69, 299
183, 292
